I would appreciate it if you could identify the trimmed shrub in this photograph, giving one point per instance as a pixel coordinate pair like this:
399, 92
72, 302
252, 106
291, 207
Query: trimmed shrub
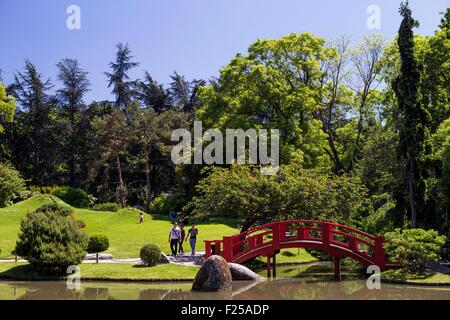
74, 196
151, 254
97, 243
54, 207
51, 242
11, 186
413, 248
107, 206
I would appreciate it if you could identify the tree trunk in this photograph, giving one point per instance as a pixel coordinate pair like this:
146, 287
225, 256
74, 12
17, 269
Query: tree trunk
411, 193
147, 177
121, 191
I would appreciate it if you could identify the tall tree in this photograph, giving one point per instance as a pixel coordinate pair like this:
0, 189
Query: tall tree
70, 97
413, 118
35, 145
118, 79
112, 146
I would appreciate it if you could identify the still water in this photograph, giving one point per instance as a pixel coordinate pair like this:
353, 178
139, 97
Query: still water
299, 282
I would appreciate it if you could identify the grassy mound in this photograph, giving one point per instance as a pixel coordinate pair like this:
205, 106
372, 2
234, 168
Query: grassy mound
122, 228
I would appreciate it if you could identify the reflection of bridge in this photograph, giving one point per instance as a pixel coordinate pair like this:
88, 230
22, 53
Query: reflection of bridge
267, 240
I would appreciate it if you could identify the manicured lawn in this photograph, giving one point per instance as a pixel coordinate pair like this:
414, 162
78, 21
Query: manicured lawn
111, 272
401, 275
125, 234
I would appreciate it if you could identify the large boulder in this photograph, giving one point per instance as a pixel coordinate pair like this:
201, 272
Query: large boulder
214, 275
241, 273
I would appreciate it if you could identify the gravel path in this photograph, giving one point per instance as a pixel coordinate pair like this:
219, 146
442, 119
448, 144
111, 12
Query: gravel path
183, 259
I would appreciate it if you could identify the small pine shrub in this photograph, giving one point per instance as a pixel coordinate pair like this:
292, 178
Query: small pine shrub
150, 254
413, 248
51, 242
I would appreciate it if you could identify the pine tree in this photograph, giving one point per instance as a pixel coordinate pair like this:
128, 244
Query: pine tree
70, 98
118, 78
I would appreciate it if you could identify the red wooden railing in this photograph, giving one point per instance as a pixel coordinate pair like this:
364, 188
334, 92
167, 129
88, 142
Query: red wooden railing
266, 240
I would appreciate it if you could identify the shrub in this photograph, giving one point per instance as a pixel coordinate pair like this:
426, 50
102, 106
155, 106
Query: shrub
150, 254
97, 243
50, 242
166, 202
74, 196
413, 248
107, 206
11, 184
54, 207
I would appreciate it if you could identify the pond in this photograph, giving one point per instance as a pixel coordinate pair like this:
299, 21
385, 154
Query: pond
295, 282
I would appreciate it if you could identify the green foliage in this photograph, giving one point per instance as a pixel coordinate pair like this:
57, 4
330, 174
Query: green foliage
413, 248
50, 242
11, 184
413, 118
97, 243
107, 206
246, 195
7, 107
54, 207
166, 202
385, 218
150, 254
74, 196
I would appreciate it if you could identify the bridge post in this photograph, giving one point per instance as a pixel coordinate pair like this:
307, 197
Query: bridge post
268, 267
227, 250
337, 267
326, 236
380, 255
274, 265
207, 249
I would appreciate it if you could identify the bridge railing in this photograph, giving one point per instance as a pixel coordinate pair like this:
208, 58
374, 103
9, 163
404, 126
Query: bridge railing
271, 237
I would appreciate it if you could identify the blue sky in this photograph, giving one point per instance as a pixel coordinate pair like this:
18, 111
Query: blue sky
194, 37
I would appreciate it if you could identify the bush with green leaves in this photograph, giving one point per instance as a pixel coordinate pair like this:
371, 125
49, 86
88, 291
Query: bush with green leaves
412, 249
51, 241
74, 196
150, 255
107, 206
97, 243
11, 186
166, 202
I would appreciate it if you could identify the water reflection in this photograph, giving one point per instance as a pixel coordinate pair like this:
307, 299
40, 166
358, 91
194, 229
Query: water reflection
302, 283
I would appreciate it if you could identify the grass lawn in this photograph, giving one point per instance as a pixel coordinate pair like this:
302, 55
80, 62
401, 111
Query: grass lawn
401, 275
109, 272
125, 234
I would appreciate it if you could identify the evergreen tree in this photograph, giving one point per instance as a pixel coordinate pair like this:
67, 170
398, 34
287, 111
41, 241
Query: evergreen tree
34, 145
70, 97
151, 94
413, 118
118, 78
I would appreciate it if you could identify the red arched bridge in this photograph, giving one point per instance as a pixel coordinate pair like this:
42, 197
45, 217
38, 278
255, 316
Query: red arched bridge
267, 240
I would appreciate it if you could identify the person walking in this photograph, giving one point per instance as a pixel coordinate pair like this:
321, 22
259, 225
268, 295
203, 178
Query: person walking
192, 234
182, 237
174, 238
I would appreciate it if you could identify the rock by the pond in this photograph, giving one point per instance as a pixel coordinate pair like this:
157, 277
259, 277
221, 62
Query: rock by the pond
214, 275
241, 273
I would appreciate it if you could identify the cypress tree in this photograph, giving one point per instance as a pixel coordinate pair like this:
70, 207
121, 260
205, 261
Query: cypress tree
413, 118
